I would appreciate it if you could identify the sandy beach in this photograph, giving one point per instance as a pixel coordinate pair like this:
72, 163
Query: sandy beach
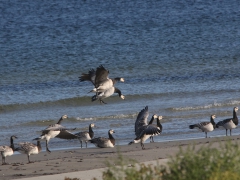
85, 160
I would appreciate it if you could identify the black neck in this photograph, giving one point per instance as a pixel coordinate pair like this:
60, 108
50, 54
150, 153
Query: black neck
60, 120
11, 143
91, 133
213, 122
39, 146
159, 124
118, 91
111, 138
235, 118
152, 119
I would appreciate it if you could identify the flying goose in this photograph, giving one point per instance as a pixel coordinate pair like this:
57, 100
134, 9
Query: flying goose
107, 93
148, 131
55, 130
100, 79
29, 148
205, 126
85, 136
7, 150
103, 142
229, 123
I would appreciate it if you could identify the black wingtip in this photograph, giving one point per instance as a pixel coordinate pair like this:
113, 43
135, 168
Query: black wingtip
191, 126
130, 143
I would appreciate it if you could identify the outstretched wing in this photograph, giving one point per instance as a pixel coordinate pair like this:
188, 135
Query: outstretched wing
101, 75
66, 135
150, 130
88, 77
141, 119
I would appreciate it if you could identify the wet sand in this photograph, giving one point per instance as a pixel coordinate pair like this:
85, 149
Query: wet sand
75, 160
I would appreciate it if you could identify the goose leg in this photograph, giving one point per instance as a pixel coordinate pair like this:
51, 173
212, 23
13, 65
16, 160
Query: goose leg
101, 101
3, 161
142, 146
230, 132
47, 147
226, 132
206, 134
81, 143
29, 159
86, 143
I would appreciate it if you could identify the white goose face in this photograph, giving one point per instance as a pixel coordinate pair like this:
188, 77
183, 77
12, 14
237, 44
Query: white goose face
111, 131
155, 116
64, 116
160, 117
122, 96
236, 109
213, 116
92, 125
121, 79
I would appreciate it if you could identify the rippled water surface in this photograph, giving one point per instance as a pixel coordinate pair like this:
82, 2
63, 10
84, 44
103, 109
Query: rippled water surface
180, 58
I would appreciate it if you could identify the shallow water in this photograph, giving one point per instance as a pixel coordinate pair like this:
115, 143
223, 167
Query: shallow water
180, 58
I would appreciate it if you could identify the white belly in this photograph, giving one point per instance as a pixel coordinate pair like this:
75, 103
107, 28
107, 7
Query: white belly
145, 137
34, 151
52, 134
207, 128
229, 125
9, 152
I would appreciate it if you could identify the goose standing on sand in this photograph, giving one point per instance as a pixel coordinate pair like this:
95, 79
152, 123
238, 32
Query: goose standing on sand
158, 125
107, 93
29, 148
85, 136
141, 120
7, 150
55, 130
229, 123
205, 126
148, 131
100, 79
103, 142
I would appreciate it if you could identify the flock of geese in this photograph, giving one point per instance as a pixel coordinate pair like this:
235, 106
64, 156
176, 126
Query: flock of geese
104, 87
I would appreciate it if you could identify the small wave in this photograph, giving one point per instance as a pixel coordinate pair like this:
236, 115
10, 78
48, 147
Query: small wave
209, 106
119, 116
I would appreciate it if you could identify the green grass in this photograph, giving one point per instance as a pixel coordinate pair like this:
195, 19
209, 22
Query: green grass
206, 163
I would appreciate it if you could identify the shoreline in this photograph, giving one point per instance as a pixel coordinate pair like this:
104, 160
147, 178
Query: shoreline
75, 160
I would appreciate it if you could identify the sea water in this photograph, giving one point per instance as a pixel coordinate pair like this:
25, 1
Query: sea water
179, 58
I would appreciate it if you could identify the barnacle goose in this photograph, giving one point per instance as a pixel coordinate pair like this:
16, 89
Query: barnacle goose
7, 150
103, 142
55, 130
107, 93
143, 131
86, 135
158, 125
29, 148
100, 79
229, 123
205, 126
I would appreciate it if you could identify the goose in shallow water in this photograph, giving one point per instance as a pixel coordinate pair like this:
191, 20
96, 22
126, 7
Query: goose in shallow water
107, 93
86, 135
229, 123
148, 131
7, 150
55, 130
205, 126
100, 79
103, 142
29, 148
